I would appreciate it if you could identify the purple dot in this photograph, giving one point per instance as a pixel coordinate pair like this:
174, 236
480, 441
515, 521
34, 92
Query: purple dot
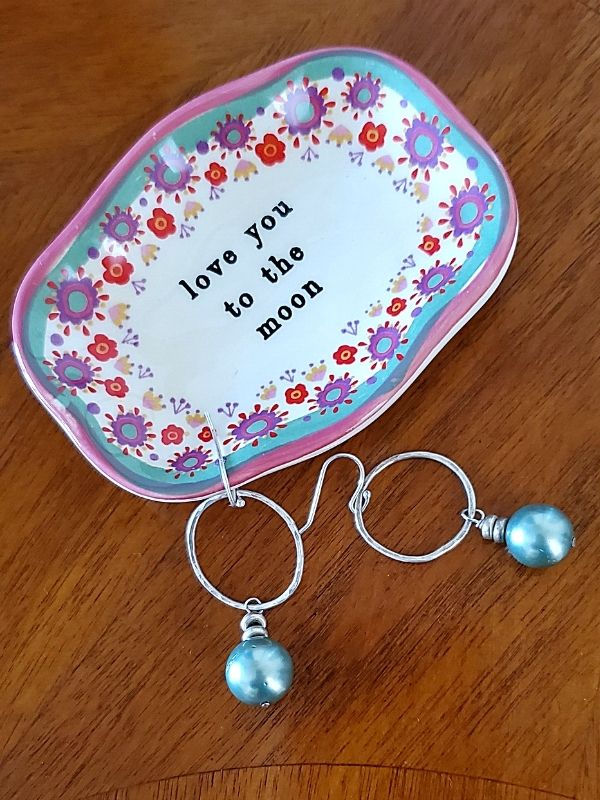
93, 252
469, 254
56, 339
153, 456
403, 103
202, 147
372, 379
143, 201
260, 111
337, 73
306, 419
416, 311
93, 408
472, 162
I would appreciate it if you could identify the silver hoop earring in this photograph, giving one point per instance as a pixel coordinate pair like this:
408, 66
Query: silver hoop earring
259, 670
535, 535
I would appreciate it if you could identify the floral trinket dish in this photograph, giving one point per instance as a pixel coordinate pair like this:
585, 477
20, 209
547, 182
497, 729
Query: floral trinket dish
286, 253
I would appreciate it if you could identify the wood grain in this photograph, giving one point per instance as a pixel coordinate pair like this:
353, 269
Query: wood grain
325, 782
111, 656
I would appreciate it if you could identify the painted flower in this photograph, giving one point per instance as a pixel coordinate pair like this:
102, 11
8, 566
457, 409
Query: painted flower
192, 210
103, 348
363, 94
303, 111
233, 135
73, 372
372, 136
466, 211
116, 387
216, 174
171, 173
152, 401
335, 393
340, 135
384, 163
252, 427
345, 354
116, 269
244, 170
118, 314
161, 223
271, 150
396, 307
130, 430
434, 281
205, 434
316, 372
188, 462
172, 434
296, 395
398, 284
122, 226
430, 244
149, 253
383, 343
424, 145
76, 300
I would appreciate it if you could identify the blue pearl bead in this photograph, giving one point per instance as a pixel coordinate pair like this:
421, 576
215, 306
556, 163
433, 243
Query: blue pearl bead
259, 671
539, 535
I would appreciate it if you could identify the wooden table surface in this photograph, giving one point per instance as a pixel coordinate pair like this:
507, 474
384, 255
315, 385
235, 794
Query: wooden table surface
470, 677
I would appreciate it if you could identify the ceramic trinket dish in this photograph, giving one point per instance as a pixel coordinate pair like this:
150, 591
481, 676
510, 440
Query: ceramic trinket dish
286, 252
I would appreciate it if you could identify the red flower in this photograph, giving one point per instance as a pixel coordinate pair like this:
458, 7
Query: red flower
430, 244
372, 136
397, 305
161, 223
216, 174
103, 348
345, 354
296, 395
116, 387
172, 434
205, 435
271, 150
116, 269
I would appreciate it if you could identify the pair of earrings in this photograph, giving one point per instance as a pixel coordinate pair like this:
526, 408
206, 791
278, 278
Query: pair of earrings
259, 670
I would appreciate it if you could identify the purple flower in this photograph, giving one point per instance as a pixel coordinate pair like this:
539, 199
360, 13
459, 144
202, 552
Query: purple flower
251, 427
188, 462
424, 144
363, 93
383, 343
257, 424
434, 279
129, 429
304, 109
334, 393
233, 134
74, 372
170, 174
76, 299
467, 210
122, 225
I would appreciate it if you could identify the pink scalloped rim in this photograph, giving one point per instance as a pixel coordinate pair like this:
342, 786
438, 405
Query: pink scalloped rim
457, 314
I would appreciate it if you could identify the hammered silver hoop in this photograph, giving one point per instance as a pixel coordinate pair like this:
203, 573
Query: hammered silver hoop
443, 549
253, 604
